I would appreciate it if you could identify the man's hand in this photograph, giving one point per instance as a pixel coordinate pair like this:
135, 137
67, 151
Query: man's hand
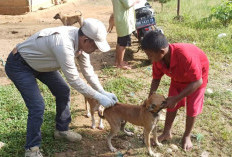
171, 102
112, 96
104, 100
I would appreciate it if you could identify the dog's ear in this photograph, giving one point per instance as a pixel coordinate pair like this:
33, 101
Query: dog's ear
147, 104
80, 13
57, 16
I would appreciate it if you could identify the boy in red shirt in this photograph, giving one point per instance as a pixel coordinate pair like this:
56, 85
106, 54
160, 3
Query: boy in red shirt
188, 67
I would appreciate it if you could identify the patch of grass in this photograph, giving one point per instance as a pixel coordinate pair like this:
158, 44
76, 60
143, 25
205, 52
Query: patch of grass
124, 88
193, 29
219, 98
13, 122
110, 71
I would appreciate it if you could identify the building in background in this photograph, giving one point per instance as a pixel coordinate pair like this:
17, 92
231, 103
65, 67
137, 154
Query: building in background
17, 7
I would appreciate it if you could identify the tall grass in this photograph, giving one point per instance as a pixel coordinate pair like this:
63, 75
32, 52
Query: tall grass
192, 29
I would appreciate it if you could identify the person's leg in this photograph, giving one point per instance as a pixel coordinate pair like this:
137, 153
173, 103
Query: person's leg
170, 115
120, 51
61, 91
166, 135
122, 43
186, 140
194, 107
24, 79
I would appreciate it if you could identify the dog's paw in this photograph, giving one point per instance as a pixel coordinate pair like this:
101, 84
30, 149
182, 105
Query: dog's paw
130, 133
93, 126
112, 149
151, 153
88, 115
101, 127
159, 144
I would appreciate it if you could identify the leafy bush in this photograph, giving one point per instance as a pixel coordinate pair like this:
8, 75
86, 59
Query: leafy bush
223, 13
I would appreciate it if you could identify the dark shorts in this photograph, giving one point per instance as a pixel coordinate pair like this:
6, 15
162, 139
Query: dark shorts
124, 41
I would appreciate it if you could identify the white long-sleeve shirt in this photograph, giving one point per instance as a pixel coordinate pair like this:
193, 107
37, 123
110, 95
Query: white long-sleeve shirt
56, 48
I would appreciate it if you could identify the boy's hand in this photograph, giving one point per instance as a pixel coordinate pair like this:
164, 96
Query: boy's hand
171, 102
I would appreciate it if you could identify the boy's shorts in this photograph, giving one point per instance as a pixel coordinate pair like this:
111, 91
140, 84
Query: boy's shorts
194, 101
124, 41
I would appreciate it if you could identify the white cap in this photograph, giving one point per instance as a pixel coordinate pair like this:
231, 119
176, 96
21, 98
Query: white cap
96, 30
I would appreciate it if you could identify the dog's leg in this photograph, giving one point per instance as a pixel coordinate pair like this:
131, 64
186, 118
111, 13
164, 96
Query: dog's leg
92, 110
65, 21
93, 122
101, 126
87, 108
147, 141
111, 23
123, 124
101, 110
114, 129
110, 28
155, 138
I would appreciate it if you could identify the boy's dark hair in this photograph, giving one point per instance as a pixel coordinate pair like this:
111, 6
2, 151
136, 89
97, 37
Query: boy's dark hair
154, 41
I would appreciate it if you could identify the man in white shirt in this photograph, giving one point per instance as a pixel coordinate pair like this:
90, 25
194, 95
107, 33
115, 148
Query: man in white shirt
40, 57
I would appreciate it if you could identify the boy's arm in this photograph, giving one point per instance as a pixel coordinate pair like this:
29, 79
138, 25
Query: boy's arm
172, 101
154, 86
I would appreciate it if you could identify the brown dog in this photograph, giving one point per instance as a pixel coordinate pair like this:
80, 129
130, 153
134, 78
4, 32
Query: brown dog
91, 108
111, 23
69, 20
145, 115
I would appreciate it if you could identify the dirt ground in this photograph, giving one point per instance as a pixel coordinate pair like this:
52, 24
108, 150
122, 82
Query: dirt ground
15, 29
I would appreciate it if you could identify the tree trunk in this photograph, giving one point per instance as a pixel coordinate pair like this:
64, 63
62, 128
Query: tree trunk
178, 8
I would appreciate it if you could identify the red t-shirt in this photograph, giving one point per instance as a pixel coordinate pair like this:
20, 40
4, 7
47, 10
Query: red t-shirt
188, 64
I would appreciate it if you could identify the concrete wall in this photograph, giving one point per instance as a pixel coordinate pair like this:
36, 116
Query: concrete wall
17, 7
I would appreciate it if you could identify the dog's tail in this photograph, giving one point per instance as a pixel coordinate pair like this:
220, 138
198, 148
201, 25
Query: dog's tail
79, 12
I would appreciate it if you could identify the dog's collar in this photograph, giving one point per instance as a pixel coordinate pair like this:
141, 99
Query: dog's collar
155, 114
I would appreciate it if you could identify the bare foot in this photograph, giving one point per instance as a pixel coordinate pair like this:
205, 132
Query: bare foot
123, 63
164, 136
187, 143
124, 67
